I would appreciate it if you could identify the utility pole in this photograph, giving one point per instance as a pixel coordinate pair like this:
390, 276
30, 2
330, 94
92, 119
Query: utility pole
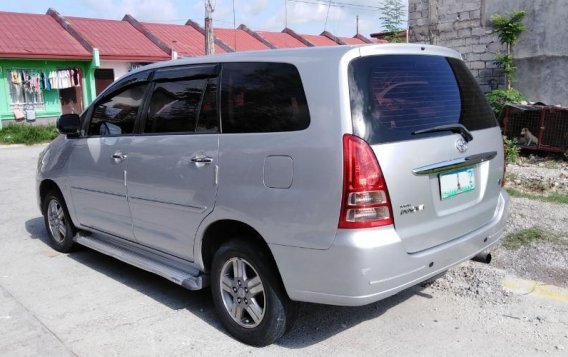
209, 36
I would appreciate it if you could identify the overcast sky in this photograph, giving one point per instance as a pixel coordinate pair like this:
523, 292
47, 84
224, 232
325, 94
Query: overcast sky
304, 16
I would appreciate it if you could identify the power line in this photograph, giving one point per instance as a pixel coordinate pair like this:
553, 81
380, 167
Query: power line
337, 4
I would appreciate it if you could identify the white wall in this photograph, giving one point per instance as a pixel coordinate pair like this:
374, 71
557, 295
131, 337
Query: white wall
120, 67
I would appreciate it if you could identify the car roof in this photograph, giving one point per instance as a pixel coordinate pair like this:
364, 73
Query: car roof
292, 55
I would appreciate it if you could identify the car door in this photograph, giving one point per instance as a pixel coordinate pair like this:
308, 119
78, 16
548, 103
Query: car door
172, 163
98, 162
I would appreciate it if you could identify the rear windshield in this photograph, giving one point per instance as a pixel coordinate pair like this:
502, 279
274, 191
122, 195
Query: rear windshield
393, 96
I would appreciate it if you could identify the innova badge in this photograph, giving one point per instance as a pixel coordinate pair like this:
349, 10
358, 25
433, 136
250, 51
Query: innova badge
461, 145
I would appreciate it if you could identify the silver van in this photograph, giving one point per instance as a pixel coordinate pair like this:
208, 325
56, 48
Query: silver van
338, 175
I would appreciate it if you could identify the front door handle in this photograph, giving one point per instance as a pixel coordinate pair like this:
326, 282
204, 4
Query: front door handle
119, 156
202, 159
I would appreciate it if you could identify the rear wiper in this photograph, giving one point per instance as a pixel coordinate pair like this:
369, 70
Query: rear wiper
454, 128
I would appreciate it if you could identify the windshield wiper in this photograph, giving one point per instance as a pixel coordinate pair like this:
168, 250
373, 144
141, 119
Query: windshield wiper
454, 128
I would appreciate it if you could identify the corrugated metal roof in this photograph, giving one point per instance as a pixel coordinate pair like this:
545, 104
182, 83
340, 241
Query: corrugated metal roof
245, 42
36, 36
281, 39
186, 40
352, 40
319, 40
117, 39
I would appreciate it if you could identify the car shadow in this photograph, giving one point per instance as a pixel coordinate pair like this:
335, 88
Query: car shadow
315, 322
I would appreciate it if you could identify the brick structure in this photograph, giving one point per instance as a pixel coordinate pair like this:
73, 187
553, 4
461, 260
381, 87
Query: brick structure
462, 26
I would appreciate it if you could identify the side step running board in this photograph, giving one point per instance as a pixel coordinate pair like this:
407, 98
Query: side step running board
183, 278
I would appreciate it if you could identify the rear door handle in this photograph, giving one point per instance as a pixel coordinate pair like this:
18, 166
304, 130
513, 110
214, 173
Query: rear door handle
119, 156
202, 159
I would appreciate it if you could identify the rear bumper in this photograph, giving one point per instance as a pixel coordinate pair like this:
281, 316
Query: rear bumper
364, 266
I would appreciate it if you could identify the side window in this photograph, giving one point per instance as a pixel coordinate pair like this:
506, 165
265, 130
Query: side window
208, 121
263, 97
175, 106
116, 115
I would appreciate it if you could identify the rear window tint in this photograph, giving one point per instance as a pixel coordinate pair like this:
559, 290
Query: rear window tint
393, 96
262, 97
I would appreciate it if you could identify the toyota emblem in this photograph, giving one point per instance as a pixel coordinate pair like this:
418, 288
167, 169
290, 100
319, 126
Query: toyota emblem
461, 145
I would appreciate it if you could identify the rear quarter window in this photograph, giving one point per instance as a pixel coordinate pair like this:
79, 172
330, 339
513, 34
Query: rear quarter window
392, 96
262, 97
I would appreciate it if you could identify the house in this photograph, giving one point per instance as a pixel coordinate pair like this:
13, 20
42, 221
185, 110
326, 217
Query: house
44, 71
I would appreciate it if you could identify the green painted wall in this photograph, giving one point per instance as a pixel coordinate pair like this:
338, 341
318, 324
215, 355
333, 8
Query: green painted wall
51, 97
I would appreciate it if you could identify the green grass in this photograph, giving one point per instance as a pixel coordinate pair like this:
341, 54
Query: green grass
27, 134
555, 197
527, 236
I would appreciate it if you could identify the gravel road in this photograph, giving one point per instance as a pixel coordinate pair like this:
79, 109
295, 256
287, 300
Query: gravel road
87, 304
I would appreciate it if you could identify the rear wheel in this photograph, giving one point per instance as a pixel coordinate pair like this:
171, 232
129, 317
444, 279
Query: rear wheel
60, 229
248, 295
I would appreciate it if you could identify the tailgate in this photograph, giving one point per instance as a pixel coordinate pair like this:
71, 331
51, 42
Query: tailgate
436, 140
428, 206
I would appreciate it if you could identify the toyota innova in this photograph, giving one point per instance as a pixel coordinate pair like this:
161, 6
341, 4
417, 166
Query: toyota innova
338, 175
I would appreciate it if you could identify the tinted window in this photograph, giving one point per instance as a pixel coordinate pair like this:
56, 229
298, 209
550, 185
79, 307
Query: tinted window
174, 106
116, 115
262, 97
394, 96
208, 121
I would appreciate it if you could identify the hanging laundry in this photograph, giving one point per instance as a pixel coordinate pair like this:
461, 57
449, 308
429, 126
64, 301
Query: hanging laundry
15, 77
52, 78
76, 77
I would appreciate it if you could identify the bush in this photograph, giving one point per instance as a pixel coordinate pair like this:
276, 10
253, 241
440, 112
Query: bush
512, 150
498, 98
27, 134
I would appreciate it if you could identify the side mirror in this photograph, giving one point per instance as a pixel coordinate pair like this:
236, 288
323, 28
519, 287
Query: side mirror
69, 124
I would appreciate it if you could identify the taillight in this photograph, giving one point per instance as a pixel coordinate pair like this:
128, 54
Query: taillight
365, 201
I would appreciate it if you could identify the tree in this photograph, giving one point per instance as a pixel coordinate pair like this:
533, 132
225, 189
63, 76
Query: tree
392, 18
509, 28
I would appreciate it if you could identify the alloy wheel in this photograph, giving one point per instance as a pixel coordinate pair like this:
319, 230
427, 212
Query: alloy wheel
242, 292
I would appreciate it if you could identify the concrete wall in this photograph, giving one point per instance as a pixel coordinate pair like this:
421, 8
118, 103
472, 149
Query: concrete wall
542, 52
459, 25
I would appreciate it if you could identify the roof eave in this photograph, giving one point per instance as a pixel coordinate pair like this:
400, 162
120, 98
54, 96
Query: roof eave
134, 58
44, 56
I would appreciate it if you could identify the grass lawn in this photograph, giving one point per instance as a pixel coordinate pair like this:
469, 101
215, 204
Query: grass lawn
27, 134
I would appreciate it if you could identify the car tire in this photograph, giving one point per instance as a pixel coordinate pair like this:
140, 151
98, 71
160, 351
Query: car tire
60, 229
257, 316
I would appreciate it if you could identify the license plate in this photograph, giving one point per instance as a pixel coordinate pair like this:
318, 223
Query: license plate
456, 182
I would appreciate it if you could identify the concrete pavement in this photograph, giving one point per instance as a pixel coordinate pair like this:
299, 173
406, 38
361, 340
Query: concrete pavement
88, 304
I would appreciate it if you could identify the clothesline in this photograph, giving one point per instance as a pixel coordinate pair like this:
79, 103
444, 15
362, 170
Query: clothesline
36, 80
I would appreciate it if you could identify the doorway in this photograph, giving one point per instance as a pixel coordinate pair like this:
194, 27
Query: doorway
103, 78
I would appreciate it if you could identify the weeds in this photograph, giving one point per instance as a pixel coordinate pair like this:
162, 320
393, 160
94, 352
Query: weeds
555, 197
527, 236
512, 150
27, 134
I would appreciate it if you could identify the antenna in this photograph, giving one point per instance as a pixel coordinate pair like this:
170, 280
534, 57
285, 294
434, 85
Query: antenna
234, 26
285, 13
327, 16
357, 25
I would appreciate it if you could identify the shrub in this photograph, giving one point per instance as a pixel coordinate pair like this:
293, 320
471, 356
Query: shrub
498, 98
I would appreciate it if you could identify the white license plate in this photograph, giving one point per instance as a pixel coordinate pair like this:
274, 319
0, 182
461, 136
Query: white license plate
454, 183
